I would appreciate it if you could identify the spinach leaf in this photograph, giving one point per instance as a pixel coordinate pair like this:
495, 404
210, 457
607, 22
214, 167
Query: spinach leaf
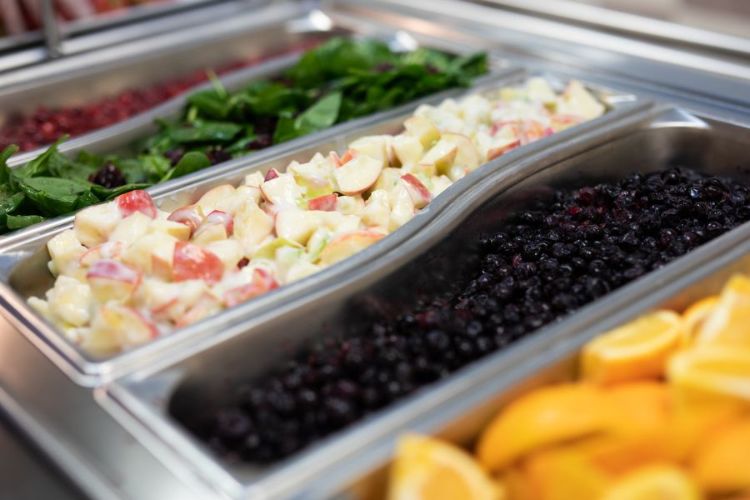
319, 116
14, 222
4, 169
189, 163
105, 194
53, 196
211, 103
38, 165
205, 131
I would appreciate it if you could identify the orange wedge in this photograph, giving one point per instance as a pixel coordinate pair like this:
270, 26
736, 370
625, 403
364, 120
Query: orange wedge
430, 469
564, 474
722, 465
711, 375
695, 315
654, 482
642, 407
729, 321
544, 417
637, 350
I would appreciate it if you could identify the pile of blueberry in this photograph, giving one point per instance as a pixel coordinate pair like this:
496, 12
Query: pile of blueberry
545, 263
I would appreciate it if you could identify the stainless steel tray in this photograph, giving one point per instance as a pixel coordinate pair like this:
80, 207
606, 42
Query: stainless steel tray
23, 270
285, 32
543, 360
647, 141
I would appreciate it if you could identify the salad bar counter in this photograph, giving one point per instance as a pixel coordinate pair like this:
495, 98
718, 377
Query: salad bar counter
354, 250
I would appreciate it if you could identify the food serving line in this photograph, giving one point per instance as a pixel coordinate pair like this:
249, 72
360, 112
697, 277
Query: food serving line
108, 423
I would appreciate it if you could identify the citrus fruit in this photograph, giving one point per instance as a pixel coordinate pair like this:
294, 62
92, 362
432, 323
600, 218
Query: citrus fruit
543, 417
654, 482
729, 321
429, 469
694, 316
722, 464
641, 407
711, 374
564, 474
637, 350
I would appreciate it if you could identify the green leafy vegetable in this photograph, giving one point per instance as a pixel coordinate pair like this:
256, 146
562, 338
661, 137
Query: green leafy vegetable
335, 82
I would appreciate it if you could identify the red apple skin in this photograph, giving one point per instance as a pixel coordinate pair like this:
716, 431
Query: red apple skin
187, 215
113, 270
424, 193
193, 262
221, 217
271, 174
348, 155
136, 201
335, 158
326, 203
494, 153
262, 283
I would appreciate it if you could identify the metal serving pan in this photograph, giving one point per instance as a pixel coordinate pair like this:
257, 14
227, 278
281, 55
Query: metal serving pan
120, 137
23, 270
650, 140
545, 360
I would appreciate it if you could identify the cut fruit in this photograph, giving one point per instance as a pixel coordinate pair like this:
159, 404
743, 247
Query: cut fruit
654, 482
695, 316
564, 475
643, 407
429, 469
543, 418
637, 350
728, 322
711, 374
721, 465
423, 129
358, 174
348, 244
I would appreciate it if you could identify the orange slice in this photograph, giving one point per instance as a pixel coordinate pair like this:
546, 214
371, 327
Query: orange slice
729, 321
637, 350
654, 482
543, 417
430, 469
711, 374
564, 474
642, 407
722, 465
695, 315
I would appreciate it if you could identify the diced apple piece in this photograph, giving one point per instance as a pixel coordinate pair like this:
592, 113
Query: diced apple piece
116, 327
423, 129
442, 155
262, 283
374, 146
251, 226
209, 233
174, 229
282, 191
217, 198
112, 280
500, 148
170, 300
65, 252
314, 176
131, 228
254, 180
348, 244
152, 254
268, 250
317, 242
377, 211
408, 149
222, 218
136, 201
467, 155
193, 262
271, 174
206, 306
108, 250
93, 225
358, 174
245, 193
297, 225
300, 270
230, 252
419, 193
340, 223
402, 207
350, 205
326, 203
388, 179
190, 216
440, 184
579, 101
69, 300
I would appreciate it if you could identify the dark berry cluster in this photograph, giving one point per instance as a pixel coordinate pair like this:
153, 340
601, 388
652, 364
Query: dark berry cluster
544, 263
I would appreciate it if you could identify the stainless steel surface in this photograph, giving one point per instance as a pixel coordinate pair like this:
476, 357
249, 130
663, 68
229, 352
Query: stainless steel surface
648, 142
51, 29
23, 260
636, 26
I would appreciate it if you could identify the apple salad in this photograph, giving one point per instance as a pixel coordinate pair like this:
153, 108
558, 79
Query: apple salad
128, 272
